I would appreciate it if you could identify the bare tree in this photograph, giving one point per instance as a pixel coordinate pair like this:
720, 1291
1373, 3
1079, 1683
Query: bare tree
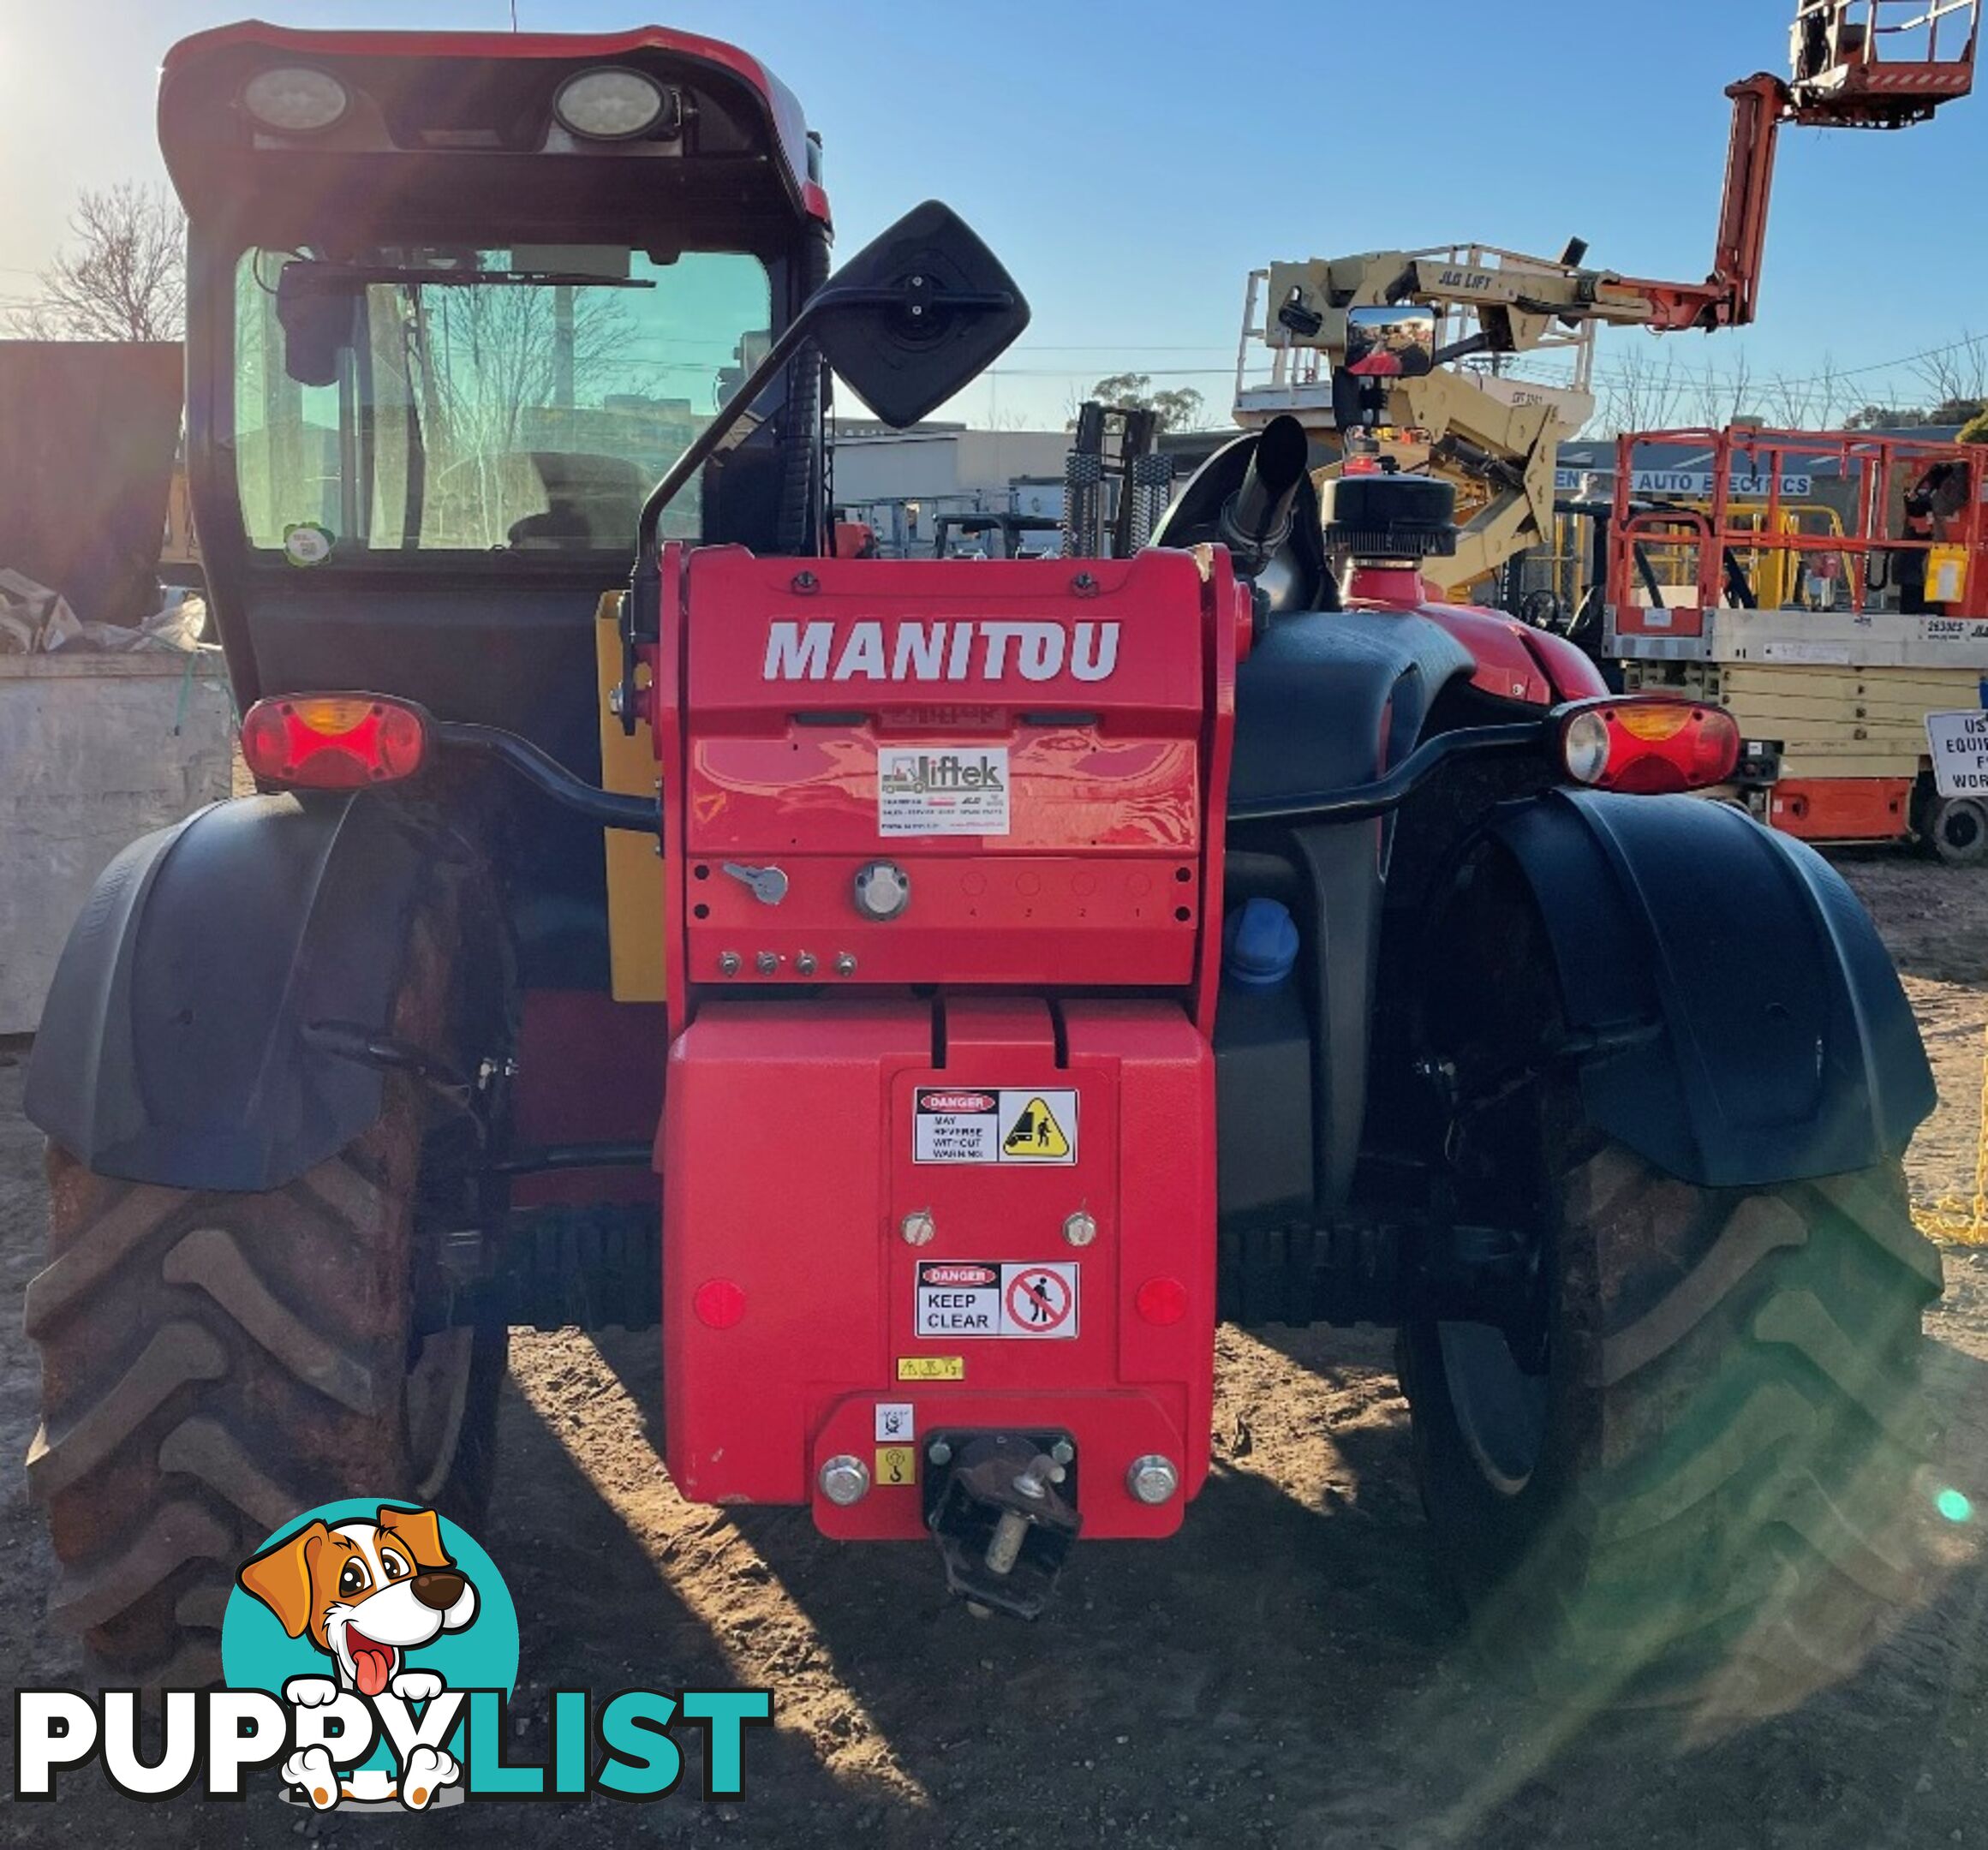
1957, 374
1721, 398
1808, 401
1639, 394
123, 278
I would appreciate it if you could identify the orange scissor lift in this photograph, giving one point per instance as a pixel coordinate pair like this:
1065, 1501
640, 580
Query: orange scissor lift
1877, 625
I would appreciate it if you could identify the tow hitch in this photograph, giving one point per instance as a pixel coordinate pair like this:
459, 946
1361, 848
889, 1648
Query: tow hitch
1001, 1506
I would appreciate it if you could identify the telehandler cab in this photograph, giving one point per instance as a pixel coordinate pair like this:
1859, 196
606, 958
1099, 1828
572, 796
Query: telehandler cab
996, 973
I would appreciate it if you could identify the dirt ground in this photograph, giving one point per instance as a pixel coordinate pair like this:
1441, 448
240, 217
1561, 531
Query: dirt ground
1290, 1671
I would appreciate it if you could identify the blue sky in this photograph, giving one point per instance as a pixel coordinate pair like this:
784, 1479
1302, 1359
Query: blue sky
1133, 162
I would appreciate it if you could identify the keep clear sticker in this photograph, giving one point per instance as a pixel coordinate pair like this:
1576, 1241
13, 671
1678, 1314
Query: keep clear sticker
942, 790
994, 1125
971, 1298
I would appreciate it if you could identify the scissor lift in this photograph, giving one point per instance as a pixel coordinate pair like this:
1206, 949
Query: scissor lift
1829, 647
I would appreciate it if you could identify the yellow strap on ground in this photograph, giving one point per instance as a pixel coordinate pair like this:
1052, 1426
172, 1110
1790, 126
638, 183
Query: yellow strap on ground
1950, 1218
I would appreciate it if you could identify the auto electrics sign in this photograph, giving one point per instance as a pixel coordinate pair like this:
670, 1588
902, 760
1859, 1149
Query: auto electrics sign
964, 649
1687, 485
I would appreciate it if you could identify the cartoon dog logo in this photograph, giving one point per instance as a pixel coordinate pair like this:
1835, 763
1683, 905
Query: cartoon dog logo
366, 1593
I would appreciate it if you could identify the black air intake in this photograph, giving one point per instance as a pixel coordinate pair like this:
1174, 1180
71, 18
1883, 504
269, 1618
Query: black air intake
1390, 516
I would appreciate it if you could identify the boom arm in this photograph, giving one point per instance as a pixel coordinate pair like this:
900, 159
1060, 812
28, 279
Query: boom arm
1858, 64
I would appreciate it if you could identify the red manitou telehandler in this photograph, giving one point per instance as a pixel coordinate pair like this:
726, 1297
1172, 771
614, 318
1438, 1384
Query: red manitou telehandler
934, 992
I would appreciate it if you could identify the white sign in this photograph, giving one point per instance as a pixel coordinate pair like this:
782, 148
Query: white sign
895, 1423
1685, 484
972, 1298
994, 1125
1959, 744
942, 790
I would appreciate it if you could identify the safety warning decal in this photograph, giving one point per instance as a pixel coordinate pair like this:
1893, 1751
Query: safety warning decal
942, 790
1033, 1132
971, 1298
975, 1124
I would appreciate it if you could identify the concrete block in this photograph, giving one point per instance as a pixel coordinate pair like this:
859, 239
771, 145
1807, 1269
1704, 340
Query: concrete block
95, 750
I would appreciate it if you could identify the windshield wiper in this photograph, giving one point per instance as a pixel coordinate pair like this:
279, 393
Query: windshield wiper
333, 276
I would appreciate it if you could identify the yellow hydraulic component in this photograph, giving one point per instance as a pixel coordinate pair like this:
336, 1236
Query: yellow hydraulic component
1959, 1222
635, 870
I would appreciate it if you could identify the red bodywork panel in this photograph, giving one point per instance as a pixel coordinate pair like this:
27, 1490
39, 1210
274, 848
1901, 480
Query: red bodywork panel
1515, 661
792, 1312
589, 1070
1087, 706
794, 701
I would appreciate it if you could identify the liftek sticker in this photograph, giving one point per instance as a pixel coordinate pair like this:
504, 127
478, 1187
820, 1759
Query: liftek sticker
893, 1421
942, 790
973, 1124
969, 1298
897, 1464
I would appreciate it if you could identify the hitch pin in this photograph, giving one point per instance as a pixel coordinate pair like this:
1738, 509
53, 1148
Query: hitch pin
1005, 1546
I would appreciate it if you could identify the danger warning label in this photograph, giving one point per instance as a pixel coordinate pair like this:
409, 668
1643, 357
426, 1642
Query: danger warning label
994, 1124
973, 1298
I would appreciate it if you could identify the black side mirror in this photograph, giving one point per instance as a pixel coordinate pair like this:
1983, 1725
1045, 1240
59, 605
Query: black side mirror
315, 310
941, 310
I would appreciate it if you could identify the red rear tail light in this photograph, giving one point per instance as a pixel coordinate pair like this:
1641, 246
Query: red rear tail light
1648, 746
334, 741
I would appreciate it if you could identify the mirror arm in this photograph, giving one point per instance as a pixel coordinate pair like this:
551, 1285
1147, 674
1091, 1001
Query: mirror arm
643, 616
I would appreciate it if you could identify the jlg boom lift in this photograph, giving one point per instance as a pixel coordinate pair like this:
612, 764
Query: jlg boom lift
997, 971
1857, 64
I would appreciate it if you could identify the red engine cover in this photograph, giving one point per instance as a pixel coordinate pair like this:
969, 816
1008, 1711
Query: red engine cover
800, 1323
1026, 742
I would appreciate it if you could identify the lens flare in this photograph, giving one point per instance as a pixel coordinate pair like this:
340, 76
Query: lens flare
1954, 1506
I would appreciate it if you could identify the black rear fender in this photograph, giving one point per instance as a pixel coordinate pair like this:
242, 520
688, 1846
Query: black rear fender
184, 1041
1735, 1018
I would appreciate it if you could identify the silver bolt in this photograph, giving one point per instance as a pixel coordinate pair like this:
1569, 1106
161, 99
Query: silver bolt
1080, 1229
845, 964
1153, 1479
730, 962
617, 700
805, 963
1063, 1451
845, 1480
918, 1227
939, 1453
768, 963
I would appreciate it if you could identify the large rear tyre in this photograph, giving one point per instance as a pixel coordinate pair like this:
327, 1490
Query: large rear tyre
1696, 1481
213, 1363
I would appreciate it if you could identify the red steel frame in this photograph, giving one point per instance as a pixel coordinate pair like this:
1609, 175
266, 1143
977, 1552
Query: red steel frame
1878, 469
